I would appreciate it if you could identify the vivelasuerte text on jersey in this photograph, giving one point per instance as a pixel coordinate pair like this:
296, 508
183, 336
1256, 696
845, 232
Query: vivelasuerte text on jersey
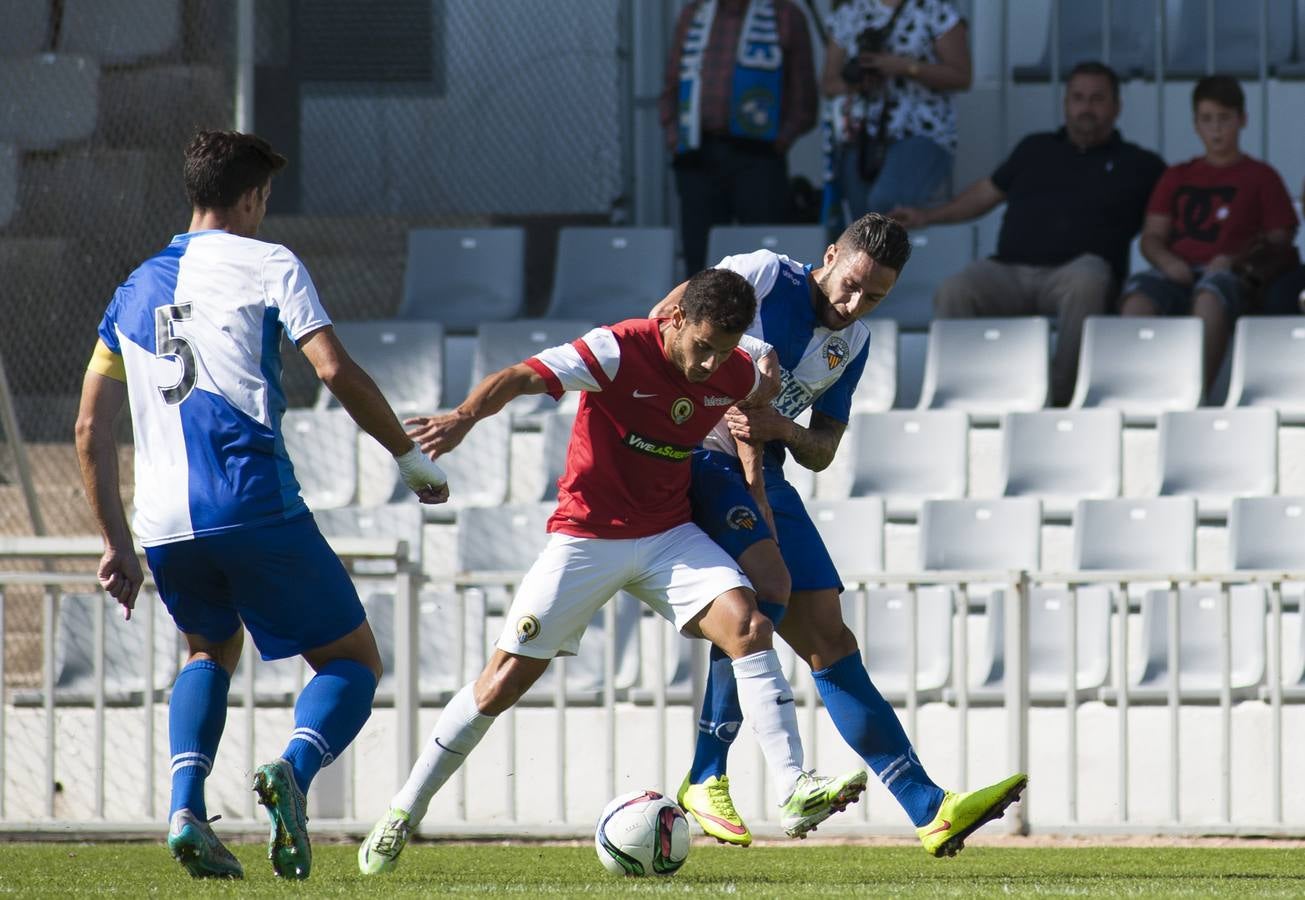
198, 327
819, 367
627, 466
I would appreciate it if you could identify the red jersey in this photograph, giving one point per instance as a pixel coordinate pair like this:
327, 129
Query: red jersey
627, 467
1217, 210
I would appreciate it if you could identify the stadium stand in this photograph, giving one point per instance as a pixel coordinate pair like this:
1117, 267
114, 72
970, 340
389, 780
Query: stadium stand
276, 681
605, 275
119, 32
1268, 366
464, 277
800, 243
907, 457
501, 344
1082, 28
1217, 454
936, 253
1140, 365
9, 169
877, 389
1235, 49
27, 27
1062, 456
1269, 533
555, 438
1149, 534
50, 100
986, 367
853, 532
402, 357
323, 446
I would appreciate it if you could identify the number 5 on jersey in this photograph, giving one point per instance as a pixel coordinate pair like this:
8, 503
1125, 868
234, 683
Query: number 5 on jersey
166, 343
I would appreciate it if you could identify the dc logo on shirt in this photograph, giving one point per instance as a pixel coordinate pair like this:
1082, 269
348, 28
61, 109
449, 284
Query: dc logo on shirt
527, 629
740, 518
835, 352
681, 410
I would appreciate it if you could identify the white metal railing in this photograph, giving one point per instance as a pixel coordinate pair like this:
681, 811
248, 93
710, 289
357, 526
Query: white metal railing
387, 560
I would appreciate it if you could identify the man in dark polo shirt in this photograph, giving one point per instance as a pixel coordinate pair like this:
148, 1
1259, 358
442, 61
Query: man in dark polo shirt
1074, 200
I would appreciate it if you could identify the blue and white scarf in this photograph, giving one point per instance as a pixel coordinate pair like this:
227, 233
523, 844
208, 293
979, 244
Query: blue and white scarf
755, 93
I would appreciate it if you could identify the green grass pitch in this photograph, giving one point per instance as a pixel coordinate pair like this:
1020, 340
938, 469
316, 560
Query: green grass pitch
138, 870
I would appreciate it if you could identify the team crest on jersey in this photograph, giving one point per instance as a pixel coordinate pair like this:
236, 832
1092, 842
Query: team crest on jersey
681, 409
741, 518
835, 352
527, 629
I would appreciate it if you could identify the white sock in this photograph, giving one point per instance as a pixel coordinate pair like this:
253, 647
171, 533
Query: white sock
457, 732
762, 686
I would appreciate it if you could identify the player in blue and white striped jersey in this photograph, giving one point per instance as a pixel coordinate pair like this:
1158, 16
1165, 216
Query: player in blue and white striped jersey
193, 338
812, 319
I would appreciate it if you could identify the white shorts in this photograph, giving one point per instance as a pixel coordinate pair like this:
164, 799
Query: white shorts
677, 572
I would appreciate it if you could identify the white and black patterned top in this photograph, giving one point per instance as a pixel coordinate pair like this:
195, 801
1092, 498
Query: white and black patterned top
913, 109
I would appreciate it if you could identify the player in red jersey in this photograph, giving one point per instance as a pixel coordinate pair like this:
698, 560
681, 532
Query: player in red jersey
653, 388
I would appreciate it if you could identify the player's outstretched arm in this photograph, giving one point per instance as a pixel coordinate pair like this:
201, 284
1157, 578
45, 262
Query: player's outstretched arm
365, 403
97, 453
440, 434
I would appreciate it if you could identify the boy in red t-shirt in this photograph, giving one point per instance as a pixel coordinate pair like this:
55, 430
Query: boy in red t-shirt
1203, 218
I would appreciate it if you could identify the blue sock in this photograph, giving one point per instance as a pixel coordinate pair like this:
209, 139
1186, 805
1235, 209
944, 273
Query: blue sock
871, 728
330, 712
197, 713
721, 715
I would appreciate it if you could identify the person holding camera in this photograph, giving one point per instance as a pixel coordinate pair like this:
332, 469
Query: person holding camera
890, 69
740, 88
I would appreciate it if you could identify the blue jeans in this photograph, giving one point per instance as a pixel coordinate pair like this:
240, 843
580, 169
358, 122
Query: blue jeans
914, 169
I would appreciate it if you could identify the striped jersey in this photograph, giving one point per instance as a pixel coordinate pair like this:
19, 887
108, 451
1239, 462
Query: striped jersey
198, 330
819, 367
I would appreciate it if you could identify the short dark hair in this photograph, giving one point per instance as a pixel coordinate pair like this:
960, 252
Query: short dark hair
1222, 89
721, 298
222, 165
882, 239
1094, 67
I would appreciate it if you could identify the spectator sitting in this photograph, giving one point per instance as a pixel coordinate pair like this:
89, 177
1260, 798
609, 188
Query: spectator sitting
890, 67
1204, 217
1074, 199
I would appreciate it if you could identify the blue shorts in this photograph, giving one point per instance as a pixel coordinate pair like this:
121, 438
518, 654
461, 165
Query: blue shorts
282, 581
723, 507
1174, 299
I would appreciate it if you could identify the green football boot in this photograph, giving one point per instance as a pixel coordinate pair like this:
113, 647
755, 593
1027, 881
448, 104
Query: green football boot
816, 798
709, 803
193, 844
960, 815
287, 844
380, 852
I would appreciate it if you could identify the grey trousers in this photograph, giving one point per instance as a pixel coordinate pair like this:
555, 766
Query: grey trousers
1070, 292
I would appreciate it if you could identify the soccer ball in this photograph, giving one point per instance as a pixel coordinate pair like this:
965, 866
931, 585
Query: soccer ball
642, 833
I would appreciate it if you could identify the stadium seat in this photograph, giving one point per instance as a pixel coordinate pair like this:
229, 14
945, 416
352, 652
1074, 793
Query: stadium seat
800, 243
907, 457
1267, 533
400, 521
9, 168
884, 636
464, 277
606, 275
986, 367
936, 253
503, 538
1155, 534
1268, 366
555, 439
49, 100
124, 652
440, 671
403, 358
877, 389
323, 446
477, 470
503, 344
456, 381
1081, 29
117, 32
26, 27
853, 533
1216, 454
912, 348
1236, 43
1062, 456
277, 682
1140, 365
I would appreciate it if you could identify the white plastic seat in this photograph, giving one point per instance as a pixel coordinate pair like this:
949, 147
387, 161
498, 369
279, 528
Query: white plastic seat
1140, 365
50, 99
401, 521
276, 681
606, 275
936, 253
1268, 366
1143, 533
1236, 39
877, 389
1081, 29
1217, 454
403, 358
120, 31
800, 243
1061, 456
907, 457
323, 446
555, 438
997, 535
503, 344
464, 277
852, 531
986, 366
885, 635
124, 651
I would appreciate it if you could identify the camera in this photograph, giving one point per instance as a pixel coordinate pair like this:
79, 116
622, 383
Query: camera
871, 40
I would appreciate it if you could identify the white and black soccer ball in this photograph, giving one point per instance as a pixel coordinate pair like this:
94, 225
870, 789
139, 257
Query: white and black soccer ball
642, 833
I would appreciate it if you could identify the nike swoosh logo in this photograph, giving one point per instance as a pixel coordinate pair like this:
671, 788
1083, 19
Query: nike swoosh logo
945, 826
454, 752
780, 701
728, 826
640, 395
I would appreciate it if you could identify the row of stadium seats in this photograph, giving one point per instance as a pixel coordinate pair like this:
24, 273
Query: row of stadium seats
1146, 535
114, 32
